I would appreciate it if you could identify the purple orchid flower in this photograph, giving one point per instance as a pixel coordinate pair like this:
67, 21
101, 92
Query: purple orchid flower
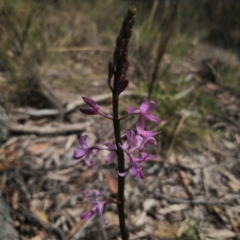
138, 142
85, 151
97, 206
144, 111
94, 108
112, 155
135, 163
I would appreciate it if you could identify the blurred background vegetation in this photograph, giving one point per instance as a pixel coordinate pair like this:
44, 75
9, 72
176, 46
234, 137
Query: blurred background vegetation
177, 48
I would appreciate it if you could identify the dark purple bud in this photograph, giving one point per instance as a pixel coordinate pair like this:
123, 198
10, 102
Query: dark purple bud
122, 86
119, 41
121, 78
91, 103
88, 111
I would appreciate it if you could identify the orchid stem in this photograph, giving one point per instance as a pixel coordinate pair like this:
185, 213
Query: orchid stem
118, 69
120, 157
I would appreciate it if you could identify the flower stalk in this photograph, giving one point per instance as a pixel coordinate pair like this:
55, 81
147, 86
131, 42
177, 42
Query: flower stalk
120, 66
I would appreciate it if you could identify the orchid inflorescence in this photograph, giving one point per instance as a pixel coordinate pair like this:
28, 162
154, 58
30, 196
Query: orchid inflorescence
132, 145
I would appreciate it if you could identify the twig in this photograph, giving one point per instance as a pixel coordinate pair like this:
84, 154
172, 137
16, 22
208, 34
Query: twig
152, 14
195, 201
49, 130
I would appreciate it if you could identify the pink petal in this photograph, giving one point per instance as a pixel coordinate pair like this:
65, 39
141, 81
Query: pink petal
87, 159
83, 141
151, 106
140, 123
125, 145
99, 207
110, 157
149, 158
152, 118
131, 137
96, 193
111, 146
137, 172
131, 109
79, 153
123, 174
149, 140
87, 215
142, 157
144, 106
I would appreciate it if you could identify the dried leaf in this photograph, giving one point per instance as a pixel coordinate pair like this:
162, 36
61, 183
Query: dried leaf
229, 145
233, 182
166, 230
112, 184
172, 208
36, 238
112, 217
232, 220
184, 177
212, 86
41, 121
43, 216
57, 177
149, 203
2, 165
74, 229
3, 182
216, 209
83, 177
38, 148
235, 186
220, 234
11, 157
15, 198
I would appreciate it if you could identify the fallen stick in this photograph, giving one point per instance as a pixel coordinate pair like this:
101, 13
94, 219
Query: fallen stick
49, 130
